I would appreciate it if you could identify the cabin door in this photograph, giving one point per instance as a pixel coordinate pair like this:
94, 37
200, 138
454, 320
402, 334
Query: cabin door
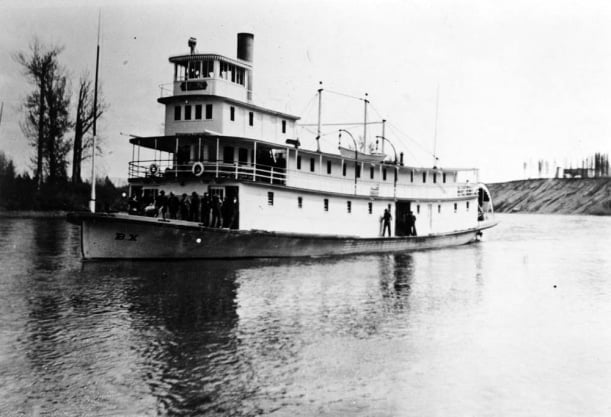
402, 210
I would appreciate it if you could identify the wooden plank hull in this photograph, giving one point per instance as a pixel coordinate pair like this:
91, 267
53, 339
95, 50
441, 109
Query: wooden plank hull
119, 236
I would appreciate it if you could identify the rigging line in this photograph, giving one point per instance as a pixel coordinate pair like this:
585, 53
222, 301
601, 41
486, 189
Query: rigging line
343, 94
341, 124
427, 151
307, 106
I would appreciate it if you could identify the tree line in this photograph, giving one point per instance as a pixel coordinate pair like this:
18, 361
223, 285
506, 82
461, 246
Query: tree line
592, 166
59, 132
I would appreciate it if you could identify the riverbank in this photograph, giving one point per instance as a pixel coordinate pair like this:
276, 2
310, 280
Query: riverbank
553, 195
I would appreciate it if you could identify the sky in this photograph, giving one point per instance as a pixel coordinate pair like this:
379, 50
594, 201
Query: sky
480, 83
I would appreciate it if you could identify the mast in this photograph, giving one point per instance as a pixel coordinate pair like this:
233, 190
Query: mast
435, 135
95, 117
319, 117
365, 125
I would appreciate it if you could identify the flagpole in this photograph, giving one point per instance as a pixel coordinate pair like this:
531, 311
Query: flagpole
95, 117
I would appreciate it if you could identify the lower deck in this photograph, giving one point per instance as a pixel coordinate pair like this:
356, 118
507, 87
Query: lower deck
248, 206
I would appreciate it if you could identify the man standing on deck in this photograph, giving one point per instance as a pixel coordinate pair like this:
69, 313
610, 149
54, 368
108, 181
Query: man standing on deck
387, 217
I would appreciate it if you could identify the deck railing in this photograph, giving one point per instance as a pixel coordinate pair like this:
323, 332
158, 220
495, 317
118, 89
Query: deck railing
160, 170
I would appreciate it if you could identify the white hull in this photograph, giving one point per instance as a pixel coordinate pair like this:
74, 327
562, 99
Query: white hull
120, 236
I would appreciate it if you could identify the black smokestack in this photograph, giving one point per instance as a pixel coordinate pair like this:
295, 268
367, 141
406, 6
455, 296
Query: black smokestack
245, 46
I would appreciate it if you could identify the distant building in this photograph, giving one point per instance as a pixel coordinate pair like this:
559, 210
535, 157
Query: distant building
578, 173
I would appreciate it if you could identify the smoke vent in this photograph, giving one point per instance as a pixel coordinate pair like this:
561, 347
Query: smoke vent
245, 46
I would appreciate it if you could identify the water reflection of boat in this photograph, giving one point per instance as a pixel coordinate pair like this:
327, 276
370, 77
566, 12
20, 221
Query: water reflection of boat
260, 194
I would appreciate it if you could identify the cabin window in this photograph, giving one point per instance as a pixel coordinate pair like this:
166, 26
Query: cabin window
176, 112
455, 207
343, 168
312, 164
270, 198
251, 118
198, 111
187, 112
326, 204
424, 177
443, 177
371, 172
299, 162
467, 206
243, 155
418, 208
208, 111
300, 202
438, 208
370, 207
411, 176
328, 167
384, 174
232, 113
358, 171
349, 206
284, 126
434, 177
228, 154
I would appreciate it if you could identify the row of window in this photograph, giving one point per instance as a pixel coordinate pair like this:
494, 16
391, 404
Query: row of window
205, 69
270, 202
372, 171
178, 114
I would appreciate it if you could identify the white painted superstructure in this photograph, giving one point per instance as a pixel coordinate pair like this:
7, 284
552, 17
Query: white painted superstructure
218, 142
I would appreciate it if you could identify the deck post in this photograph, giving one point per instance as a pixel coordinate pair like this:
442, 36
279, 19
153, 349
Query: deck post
254, 164
176, 159
217, 156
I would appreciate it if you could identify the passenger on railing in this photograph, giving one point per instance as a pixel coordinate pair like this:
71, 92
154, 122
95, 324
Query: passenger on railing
173, 205
217, 207
206, 206
161, 204
184, 207
195, 215
412, 224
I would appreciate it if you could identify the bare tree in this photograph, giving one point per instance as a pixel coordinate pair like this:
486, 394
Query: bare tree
38, 65
83, 122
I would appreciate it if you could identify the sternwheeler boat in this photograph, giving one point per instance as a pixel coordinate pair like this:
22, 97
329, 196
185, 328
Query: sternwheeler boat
231, 179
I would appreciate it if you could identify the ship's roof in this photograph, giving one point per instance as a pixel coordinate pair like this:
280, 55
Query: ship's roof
198, 57
171, 99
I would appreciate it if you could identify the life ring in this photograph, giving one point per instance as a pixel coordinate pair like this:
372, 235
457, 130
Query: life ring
197, 169
153, 168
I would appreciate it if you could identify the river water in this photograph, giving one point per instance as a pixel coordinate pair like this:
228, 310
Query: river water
517, 325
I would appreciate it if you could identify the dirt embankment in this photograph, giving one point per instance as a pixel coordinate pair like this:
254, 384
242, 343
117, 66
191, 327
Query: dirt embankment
557, 195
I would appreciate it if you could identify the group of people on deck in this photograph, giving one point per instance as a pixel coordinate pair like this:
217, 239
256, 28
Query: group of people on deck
211, 211
409, 219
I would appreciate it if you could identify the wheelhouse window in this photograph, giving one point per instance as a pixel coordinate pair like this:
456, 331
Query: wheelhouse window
187, 112
177, 112
270, 198
208, 111
198, 111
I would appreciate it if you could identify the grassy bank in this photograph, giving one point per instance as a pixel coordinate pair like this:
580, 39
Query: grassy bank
556, 195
